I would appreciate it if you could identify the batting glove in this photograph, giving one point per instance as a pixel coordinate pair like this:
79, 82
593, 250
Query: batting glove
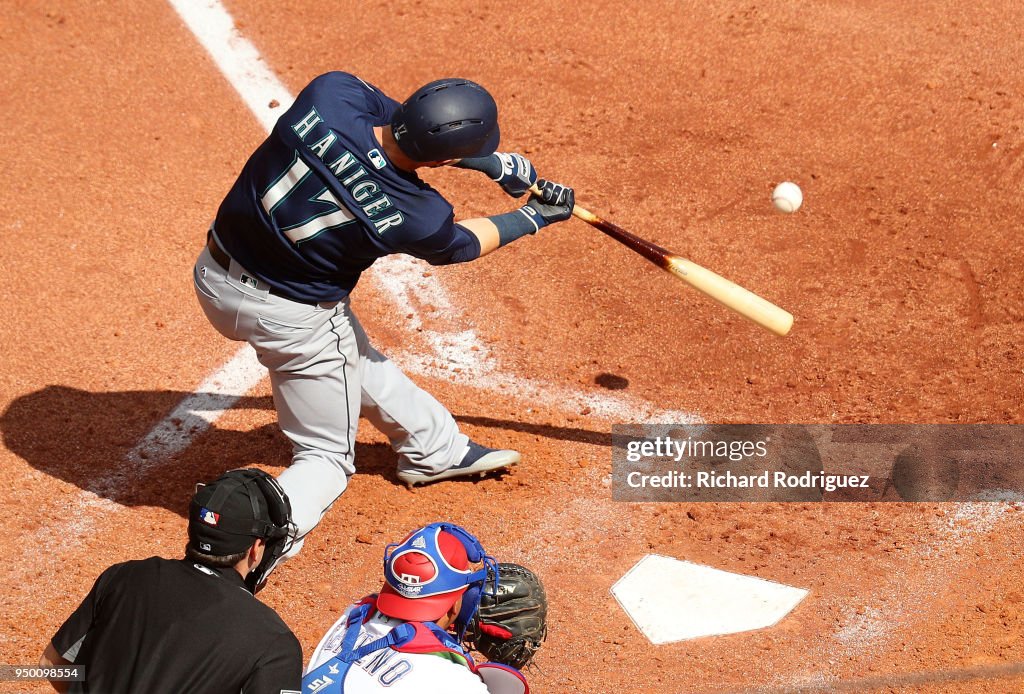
554, 204
517, 174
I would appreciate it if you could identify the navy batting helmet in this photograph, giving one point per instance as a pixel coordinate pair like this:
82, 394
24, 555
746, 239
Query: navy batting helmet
447, 119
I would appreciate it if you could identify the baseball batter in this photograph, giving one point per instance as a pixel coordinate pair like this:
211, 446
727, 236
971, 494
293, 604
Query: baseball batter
333, 188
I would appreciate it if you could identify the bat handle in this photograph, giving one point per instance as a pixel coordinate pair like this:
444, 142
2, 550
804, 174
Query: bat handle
577, 211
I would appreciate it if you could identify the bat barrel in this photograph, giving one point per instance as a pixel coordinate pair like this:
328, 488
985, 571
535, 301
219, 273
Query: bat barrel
744, 302
732, 296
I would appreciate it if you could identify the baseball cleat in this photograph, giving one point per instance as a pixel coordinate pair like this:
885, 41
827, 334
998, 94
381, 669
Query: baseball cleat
477, 461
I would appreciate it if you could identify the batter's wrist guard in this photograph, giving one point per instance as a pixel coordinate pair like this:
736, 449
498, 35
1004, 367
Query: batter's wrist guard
513, 172
514, 225
490, 165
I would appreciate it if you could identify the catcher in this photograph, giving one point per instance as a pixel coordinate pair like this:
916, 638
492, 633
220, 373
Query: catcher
440, 589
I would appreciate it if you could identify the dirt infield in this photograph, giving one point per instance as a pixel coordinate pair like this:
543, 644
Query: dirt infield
902, 122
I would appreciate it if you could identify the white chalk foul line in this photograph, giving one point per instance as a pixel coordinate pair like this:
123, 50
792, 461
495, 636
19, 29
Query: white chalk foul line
193, 415
615, 408
236, 58
460, 355
242, 64
198, 411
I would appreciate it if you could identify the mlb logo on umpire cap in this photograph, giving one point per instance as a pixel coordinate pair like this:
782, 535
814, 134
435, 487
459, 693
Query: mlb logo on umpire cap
208, 516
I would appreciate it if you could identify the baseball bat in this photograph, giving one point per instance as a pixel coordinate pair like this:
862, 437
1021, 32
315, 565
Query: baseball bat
732, 296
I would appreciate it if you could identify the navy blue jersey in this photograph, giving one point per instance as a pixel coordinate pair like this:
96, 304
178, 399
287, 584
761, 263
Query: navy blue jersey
319, 200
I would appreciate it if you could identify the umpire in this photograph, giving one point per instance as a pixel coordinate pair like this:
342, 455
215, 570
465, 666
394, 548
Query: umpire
192, 624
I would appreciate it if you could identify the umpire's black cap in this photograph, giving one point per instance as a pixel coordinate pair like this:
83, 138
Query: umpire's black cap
228, 514
447, 119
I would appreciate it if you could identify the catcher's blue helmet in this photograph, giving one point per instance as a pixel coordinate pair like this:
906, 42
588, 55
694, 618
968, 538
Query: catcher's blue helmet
427, 572
447, 119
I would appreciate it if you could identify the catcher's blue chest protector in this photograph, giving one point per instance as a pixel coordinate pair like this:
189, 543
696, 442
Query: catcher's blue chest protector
409, 637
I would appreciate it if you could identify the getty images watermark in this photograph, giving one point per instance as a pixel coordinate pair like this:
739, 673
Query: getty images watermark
818, 462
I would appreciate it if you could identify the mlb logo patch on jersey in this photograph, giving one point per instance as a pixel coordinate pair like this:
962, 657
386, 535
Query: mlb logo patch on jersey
208, 516
377, 159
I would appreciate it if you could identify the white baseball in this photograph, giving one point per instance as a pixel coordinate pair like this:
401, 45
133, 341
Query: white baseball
787, 197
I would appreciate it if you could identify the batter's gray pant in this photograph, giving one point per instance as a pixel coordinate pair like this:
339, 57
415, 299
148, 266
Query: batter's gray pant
324, 372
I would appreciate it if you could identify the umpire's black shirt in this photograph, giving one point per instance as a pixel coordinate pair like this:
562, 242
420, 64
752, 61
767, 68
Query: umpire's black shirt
171, 625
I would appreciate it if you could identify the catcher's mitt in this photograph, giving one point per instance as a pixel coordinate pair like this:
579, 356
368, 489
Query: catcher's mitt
509, 627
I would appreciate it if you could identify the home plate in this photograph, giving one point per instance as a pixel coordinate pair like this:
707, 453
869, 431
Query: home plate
672, 600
